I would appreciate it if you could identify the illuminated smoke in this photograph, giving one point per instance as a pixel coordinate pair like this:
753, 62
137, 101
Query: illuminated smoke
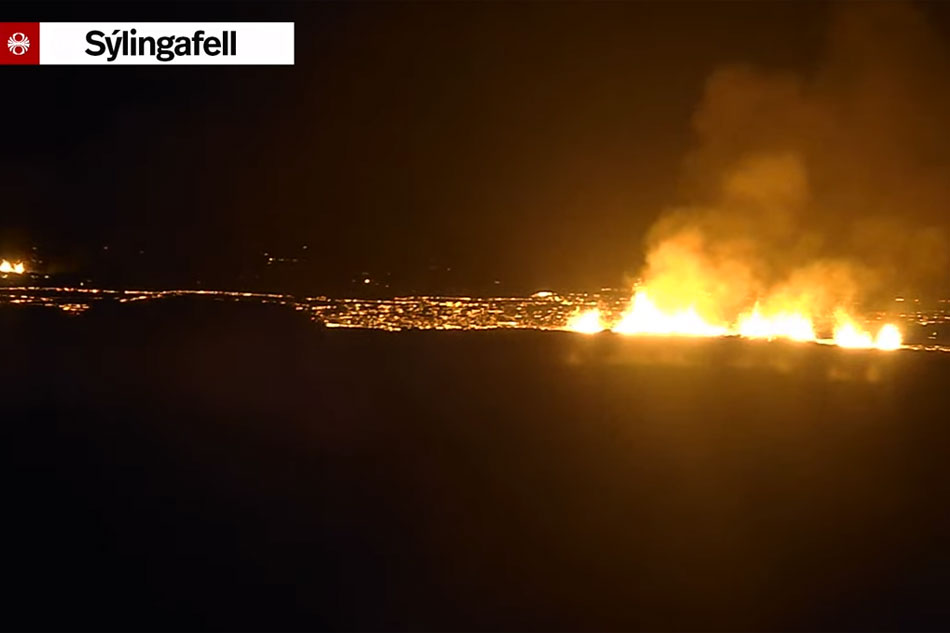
811, 194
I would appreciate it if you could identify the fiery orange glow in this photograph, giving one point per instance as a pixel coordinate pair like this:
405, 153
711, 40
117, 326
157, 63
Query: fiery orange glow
17, 268
888, 338
645, 317
790, 325
848, 334
586, 322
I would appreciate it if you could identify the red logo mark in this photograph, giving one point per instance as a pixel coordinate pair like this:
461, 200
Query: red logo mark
19, 42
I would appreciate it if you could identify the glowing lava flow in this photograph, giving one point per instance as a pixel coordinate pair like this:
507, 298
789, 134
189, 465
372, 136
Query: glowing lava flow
587, 322
848, 334
16, 268
790, 325
644, 317
888, 338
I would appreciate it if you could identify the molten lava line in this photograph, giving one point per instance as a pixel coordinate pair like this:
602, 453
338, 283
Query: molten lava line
644, 317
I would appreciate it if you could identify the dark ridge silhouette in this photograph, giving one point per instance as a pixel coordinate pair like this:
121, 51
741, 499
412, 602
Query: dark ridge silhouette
192, 464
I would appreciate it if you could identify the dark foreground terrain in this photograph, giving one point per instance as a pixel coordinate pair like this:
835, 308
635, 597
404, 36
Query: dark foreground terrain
192, 465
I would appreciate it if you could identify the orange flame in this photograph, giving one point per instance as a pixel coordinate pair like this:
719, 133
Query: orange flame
644, 317
586, 322
888, 338
791, 325
17, 268
848, 334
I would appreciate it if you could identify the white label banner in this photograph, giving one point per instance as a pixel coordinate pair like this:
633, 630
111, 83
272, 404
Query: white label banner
167, 43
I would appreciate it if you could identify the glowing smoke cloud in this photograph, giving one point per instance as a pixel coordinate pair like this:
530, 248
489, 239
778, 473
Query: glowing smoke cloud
808, 194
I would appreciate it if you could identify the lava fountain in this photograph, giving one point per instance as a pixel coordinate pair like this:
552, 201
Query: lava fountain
16, 268
643, 317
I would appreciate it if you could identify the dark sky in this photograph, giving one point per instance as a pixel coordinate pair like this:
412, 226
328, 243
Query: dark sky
531, 142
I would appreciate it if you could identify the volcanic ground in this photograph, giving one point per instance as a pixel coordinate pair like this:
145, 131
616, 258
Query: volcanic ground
235, 465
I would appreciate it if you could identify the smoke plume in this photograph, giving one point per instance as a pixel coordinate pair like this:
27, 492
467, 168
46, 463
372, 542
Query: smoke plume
820, 189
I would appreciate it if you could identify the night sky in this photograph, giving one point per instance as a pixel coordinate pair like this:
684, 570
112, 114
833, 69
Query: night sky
533, 143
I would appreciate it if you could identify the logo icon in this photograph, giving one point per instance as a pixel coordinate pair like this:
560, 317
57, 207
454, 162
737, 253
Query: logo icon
18, 43
22, 40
